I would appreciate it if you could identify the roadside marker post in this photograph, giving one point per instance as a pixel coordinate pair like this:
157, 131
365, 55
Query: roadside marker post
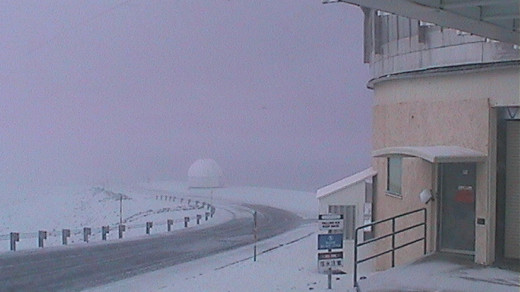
169, 222
104, 231
42, 235
65, 234
149, 226
122, 228
86, 232
15, 237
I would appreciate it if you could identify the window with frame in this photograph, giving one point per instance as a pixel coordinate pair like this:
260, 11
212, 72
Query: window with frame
349, 219
394, 173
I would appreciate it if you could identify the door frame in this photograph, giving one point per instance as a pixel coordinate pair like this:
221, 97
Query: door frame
440, 188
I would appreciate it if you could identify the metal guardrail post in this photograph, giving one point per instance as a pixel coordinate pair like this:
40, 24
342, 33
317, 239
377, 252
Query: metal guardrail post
149, 226
86, 233
206, 216
42, 235
198, 218
186, 220
169, 222
65, 234
104, 231
122, 228
15, 237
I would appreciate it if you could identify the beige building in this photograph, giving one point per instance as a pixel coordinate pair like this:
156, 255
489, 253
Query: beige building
446, 122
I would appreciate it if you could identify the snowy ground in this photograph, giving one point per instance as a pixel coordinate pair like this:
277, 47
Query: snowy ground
51, 209
284, 263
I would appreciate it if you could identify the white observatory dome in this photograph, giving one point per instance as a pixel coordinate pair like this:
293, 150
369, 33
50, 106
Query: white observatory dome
205, 173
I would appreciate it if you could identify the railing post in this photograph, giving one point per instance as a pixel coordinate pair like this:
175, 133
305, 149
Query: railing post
148, 227
355, 257
169, 222
393, 242
425, 229
186, 220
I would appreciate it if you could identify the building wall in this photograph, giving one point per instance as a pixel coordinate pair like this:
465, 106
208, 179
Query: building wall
501, 86
441, 110
352, 195
417, 176
437, 86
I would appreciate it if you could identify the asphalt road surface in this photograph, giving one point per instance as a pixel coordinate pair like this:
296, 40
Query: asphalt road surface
73, 269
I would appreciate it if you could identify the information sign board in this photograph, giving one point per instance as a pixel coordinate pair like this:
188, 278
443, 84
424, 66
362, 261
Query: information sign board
330, 241
328, 222
330, 259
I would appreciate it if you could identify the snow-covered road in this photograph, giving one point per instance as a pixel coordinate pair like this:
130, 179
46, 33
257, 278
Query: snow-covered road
79, 268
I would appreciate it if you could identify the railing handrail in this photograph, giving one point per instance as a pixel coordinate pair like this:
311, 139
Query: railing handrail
389, 219
391, 234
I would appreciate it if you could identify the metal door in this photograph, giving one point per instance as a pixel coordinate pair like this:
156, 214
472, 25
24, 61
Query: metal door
457, 207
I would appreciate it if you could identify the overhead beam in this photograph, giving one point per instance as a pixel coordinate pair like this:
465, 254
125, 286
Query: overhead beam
440, 17
474, 3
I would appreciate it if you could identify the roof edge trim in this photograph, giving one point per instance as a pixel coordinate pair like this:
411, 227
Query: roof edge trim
434, 154
345, 183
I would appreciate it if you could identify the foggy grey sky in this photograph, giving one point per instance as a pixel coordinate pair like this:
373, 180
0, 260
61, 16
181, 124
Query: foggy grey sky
96, 91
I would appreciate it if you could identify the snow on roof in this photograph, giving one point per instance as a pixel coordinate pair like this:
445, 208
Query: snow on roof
434, 154
346, 182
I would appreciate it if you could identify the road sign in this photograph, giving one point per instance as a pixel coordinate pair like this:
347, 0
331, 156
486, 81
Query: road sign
333, 224
330, 217
330, 241
328, 222
330, 259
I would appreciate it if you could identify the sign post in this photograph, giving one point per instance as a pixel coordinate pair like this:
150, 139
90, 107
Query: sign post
254, 231
329, 241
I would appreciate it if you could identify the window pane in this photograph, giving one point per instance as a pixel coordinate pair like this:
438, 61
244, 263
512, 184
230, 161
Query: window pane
394, 175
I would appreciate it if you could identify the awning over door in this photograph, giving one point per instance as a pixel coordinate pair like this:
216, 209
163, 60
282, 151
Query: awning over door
434, 154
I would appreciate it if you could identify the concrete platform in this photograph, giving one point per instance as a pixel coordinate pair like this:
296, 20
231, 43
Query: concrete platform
444, 272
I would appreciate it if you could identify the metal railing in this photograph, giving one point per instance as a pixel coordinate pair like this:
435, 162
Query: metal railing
392, 234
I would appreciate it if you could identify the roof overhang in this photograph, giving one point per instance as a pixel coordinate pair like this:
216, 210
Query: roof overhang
494, 19
345, 183
434, 154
